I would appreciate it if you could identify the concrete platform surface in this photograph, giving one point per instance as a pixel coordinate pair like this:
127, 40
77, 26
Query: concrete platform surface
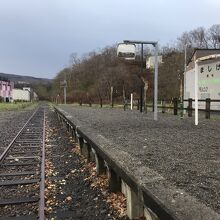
174, 160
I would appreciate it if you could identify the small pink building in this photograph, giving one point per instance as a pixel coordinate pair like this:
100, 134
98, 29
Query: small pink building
6, 90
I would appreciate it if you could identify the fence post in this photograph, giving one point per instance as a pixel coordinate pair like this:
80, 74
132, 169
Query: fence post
125, 103
138, 104
190, 107
131, 101
175, 106
207, 108
163, 106
101, 103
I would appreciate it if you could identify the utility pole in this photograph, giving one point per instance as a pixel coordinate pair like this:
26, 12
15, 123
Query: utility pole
183, 84
64, 88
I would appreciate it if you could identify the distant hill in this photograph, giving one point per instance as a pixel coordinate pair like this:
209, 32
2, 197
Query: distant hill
25, 80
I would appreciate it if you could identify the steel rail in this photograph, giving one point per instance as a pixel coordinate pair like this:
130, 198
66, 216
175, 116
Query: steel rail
14, 139
42, 182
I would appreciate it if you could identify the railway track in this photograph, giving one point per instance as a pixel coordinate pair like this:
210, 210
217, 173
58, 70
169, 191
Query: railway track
22, 171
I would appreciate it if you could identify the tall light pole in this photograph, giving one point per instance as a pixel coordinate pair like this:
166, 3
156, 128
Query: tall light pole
155, 81
155, 44
142, 60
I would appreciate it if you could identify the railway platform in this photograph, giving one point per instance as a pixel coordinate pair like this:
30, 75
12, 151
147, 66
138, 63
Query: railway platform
167, 169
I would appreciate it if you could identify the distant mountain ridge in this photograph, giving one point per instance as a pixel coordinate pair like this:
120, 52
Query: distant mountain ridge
19, 79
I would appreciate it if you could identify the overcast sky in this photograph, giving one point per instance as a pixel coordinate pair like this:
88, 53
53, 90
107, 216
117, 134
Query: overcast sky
38, 36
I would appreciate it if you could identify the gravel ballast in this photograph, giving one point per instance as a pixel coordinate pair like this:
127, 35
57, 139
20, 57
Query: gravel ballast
69, 193
10, 124
186, 155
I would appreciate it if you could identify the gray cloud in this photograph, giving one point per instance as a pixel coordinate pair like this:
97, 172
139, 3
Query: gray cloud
37, 36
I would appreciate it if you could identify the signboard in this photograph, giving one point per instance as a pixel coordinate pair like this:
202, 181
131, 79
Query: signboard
209, 80
150, 61
208, 83
126, 51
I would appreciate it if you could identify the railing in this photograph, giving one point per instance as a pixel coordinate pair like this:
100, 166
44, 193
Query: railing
164, 105
175, 105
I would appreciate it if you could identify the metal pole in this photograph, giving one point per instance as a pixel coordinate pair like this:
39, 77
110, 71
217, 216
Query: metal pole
142, 60
155, 44
64, 88
181, 97
142, 57
155, 81
196, 93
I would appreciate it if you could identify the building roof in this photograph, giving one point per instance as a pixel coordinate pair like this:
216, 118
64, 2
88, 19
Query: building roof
197, 53
202, 52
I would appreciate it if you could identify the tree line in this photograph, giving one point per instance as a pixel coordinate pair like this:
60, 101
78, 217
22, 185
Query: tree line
99, 76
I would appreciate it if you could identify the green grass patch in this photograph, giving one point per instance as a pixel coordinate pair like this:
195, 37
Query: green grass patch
17, 106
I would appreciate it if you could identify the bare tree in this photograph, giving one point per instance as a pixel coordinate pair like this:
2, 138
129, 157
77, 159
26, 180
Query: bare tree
213, 35
91, 77
200, 38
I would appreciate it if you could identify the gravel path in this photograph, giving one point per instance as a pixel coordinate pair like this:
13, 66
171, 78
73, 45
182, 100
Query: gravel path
69, 194
185, 155
10, 123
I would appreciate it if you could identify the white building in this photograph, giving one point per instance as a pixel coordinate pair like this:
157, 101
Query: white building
151, 60
208, 78
21, 95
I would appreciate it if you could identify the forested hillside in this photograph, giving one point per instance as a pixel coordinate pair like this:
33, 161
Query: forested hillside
42, 86
91, 77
